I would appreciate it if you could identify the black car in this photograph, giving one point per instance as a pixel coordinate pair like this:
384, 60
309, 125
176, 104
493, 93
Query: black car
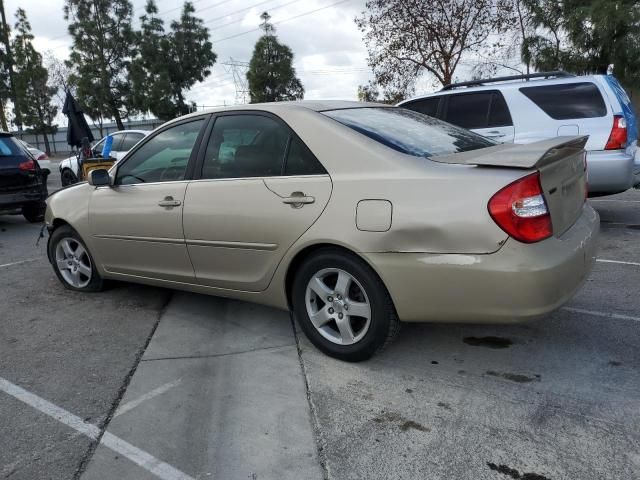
23, 184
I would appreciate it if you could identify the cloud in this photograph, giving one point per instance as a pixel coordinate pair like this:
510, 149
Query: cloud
330, 56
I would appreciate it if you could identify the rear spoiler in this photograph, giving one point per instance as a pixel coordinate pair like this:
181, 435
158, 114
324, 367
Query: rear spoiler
527, 156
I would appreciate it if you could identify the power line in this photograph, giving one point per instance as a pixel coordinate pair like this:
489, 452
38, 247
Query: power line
325, 71
218, 27
137, 9
282, 21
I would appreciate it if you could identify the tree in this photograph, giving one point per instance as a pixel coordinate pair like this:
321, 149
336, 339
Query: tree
5, 92
7, 61
368, 92
586, 36
103, 44
407, 38
271, 75
32, 92
168, 64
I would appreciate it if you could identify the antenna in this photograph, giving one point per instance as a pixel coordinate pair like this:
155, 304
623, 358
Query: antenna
239, 71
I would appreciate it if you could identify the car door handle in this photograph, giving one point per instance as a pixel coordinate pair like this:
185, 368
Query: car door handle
298, 199
169, 202
495, 134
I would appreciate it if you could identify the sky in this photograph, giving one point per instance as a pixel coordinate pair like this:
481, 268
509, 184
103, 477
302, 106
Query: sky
329, 55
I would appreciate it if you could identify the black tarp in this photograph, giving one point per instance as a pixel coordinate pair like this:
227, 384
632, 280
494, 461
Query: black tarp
78, 127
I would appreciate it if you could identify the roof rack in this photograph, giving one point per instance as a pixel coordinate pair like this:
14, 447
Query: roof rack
475, 83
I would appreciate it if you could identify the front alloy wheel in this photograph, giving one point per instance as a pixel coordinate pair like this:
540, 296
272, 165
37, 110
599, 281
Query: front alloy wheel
72, 261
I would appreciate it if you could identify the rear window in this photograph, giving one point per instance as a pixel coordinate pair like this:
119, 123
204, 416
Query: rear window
409, 132
9, 147
568, 101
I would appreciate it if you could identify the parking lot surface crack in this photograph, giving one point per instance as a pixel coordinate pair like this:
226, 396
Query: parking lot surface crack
214, 355
123, 388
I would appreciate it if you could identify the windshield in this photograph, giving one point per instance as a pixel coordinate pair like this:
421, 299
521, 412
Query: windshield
409, 132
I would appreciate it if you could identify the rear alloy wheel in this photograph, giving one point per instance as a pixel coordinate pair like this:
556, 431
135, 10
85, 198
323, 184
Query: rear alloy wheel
72, 261
67, 177
343, 307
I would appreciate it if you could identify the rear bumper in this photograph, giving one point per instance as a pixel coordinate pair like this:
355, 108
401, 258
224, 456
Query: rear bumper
517, 283
609, 172
12, 201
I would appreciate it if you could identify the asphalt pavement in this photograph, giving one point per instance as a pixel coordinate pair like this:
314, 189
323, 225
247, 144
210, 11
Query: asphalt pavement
139, 382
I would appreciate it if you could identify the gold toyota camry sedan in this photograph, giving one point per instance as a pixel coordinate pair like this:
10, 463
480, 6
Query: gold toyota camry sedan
355, 216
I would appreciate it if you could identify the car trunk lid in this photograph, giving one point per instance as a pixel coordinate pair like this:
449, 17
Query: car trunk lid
560, 162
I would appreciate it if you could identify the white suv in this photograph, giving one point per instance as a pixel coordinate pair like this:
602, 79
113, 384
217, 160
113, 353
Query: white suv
123, 141
527, 108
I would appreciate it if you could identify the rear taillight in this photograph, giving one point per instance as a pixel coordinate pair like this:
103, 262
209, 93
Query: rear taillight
28, 166
42, 156
618, 136
520, 210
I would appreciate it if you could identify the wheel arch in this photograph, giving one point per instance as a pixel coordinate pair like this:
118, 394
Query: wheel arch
309, 250
55, 224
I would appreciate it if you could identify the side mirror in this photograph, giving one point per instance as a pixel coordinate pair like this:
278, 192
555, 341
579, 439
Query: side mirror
99, 178
45, 171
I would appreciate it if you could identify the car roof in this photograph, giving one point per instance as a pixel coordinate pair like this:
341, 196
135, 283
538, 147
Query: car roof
507, 85
144, 132
275, 107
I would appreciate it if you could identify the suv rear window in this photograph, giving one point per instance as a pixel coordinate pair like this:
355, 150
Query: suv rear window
9, 147
409, 132
568, 101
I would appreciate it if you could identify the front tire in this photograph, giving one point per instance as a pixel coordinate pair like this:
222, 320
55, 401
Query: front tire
67, 177
342, 306
72, 262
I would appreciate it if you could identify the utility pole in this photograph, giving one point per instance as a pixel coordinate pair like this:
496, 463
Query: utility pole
7, 46
239, 71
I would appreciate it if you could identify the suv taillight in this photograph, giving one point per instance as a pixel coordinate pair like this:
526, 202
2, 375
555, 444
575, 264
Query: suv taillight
42, 156
618, 136
520, 210
28, 166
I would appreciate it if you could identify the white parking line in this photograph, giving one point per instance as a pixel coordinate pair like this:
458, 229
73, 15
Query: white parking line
147, 396
139, 457
18, 263
595, 313
602, 260
613, 200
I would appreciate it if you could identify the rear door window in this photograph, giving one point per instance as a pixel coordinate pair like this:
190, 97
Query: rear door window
568, 101
300, 160
428, 106
478, 110
244, 146
129, 141
117, 142
468, 110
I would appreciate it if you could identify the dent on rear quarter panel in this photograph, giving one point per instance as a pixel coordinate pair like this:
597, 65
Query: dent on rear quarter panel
438, 208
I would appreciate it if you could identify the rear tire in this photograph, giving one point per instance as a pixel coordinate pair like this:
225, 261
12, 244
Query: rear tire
34, 213
67, 177
72, 261
353, 314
